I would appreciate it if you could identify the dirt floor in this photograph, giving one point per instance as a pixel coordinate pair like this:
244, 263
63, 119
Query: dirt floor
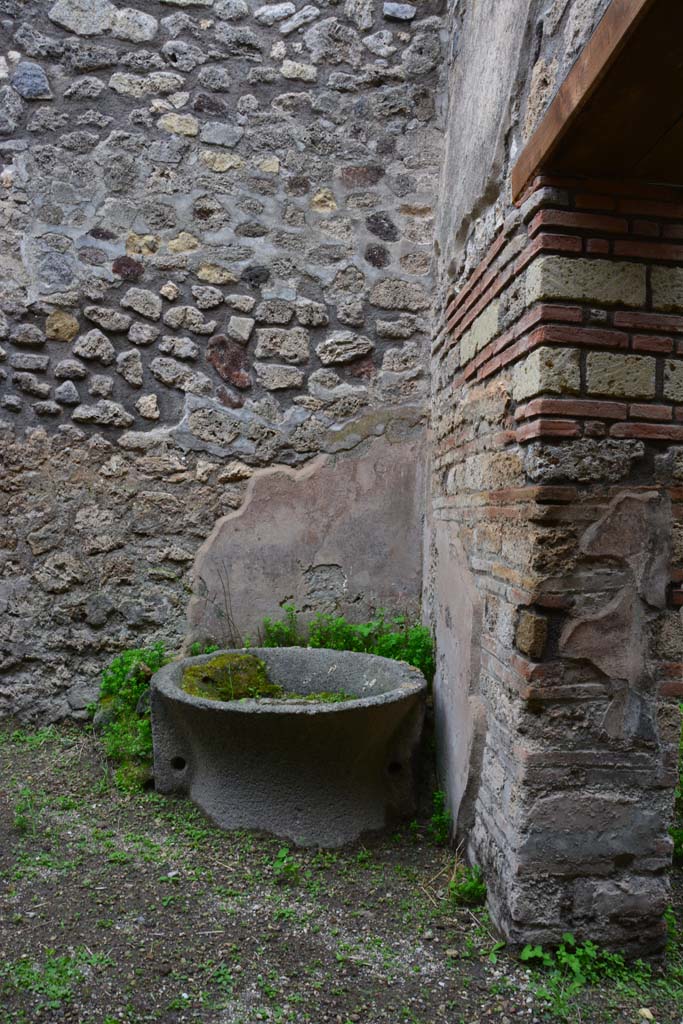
118, 909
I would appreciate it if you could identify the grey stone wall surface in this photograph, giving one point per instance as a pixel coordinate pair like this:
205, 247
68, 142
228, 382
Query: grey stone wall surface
217, 222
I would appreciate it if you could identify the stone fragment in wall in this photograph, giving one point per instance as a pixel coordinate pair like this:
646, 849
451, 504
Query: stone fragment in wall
70, 368
183, 56
398, 360
549, 370
311, 314
422, 54
29, 361
59, 573
234, 472
142, 245
399, 12
269, 165
343, 347
180, 124
190, 318
96, 346
360, 12
294, 70
215, 274
333, 42
184, 242
667, 289
220, 162
302, 17
377, 256
137, 86
47, 408
241, 303
31, 82
213, 427
129, 365
400, 329
176, 375
148, 407
583, 461
61, 326
28, 335
215, 79
418, 263
271, 13
29, 384
100, 386
179, 348
87, 88
134, 25
67, 393
380, 43
531, 634
206, 297
127, 269
229, 360
4, 325
323, 201
143, 334
103, 413
218, 133
11, 402
240, 328
108, 319
144, 302
230, 10
274, 377
393, 293
169, 291
621, 376
274, 311
278, 343
11, 109
351, 311
237, 41
189, 3
83, 17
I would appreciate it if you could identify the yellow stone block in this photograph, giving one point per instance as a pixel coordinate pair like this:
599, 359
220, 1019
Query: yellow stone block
601, 281
323, 201
555, 371
214, 274
482, 331
184, 242
219, 162
620, 376
61, 326
179, 124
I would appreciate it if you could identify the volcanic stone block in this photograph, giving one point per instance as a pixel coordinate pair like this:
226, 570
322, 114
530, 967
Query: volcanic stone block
320, 774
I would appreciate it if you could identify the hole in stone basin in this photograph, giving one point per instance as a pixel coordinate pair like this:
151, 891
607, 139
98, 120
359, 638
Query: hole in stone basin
178, 763
394, 767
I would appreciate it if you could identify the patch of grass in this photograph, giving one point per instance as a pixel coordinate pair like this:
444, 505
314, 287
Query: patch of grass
53, 980
285, 867
388, 637
439, 827
562, 973
126, 725
467, 887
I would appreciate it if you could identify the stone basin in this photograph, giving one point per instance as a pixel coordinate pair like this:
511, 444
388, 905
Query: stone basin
319, 774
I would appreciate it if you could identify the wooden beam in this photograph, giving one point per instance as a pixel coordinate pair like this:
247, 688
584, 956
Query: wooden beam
615, 29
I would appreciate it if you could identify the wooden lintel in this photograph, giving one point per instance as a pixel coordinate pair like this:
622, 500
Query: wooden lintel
598, 56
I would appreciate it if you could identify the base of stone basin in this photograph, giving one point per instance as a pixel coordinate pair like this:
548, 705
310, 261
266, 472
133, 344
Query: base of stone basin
317, 774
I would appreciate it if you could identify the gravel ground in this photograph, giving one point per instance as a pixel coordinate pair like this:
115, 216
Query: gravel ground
118, 909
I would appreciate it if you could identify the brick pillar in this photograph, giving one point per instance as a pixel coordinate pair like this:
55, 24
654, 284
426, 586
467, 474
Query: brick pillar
557, 560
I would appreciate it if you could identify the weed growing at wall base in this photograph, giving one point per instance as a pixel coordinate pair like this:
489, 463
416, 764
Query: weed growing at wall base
389, 637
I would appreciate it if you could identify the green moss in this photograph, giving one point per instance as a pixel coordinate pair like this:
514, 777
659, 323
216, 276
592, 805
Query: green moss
230, 677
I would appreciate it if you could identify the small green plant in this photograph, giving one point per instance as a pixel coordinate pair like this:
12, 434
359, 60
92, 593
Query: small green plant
439, 827
285, 867
467, 887
388, 637
51, 981
26, 812
126, 726
564, 972
197, 648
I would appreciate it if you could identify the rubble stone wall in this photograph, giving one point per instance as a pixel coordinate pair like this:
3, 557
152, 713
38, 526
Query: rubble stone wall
217, 221
557, 499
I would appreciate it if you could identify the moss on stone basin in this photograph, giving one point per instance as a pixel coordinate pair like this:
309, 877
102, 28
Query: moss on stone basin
230, 677
238, 676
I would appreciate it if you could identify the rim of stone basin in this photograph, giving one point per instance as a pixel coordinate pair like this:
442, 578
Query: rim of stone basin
391, 680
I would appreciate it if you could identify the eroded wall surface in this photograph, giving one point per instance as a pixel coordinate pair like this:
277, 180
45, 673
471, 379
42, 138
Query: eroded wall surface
217, 223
